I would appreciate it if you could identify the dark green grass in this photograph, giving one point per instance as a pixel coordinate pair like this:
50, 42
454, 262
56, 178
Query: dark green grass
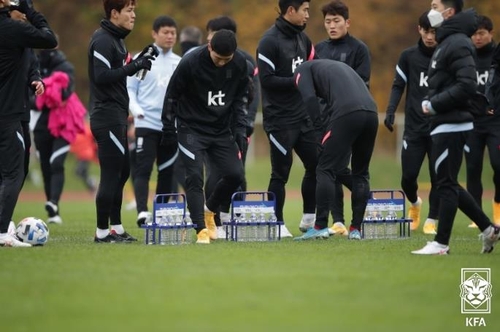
72, 284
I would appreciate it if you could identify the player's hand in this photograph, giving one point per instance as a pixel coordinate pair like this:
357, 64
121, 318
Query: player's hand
389, 121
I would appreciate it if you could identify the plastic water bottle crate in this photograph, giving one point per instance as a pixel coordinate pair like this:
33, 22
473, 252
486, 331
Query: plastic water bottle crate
253, 218
385, 216
169, 225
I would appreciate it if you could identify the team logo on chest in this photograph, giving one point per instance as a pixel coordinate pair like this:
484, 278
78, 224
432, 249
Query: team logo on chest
296, 62
216, 99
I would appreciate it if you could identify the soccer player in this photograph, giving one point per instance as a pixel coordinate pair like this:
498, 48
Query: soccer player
342, 46
109, 65
282, 49
349, 137
486, 133
252, 104
452, 83
204, 115
411, 73
15, 55
146, 104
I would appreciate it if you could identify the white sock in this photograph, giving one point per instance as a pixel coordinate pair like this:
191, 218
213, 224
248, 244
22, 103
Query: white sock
118, 229
101, 233
207, 209
431, 221
309, 217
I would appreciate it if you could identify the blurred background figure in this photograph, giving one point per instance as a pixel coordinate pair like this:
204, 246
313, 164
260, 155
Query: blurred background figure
61, 119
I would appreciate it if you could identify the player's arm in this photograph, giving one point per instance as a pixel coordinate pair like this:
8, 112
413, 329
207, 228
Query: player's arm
267, 61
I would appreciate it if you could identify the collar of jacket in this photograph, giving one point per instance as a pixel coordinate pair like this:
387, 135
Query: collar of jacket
114, 30
464, 22
427, 51
487, 49
342, 40
288, 28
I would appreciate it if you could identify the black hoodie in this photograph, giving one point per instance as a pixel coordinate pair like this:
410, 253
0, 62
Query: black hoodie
452, 72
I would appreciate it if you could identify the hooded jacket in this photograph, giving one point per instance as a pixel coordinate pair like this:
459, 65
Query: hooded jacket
281, 50
452, 74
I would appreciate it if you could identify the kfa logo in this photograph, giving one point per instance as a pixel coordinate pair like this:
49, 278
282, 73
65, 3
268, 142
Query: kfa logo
423, 80
482, 78
216, 100
475, 321
475, 291
296, 62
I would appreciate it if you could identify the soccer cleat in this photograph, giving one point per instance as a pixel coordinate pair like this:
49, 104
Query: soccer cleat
354, 234
472, 225
203, 237
55, 220
430, 227
144, 217
284, 232
210, 224
490, 237
126, 237
433, 248
414, 214
496, 213
338, 228
51, 209
307, 222
110, 238
11, 230
314, 233
7, 240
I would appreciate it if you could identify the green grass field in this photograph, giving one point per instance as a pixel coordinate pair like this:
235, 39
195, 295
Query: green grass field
72, 284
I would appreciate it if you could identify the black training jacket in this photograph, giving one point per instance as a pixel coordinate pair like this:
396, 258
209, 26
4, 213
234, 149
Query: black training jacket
15, 57
107, 55
280, 51
411, 73
349, 50
337, 84
206, 99
493, 84
452, 73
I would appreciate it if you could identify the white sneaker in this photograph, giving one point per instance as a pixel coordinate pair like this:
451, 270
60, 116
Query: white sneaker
433, 248
7, 240
307, 222
144, 217
55, 220
285, 232
12, 229
490, 236
221, 232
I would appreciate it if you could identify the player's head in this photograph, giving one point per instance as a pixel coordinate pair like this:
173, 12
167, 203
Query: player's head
222, 47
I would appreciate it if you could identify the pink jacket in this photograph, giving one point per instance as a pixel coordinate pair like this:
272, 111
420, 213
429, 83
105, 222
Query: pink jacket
66, 118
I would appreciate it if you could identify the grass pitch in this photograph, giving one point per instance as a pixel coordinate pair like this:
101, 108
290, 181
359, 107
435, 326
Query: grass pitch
72, 284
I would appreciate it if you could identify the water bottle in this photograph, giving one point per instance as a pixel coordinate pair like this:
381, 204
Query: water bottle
392, 229
273, 225
141, 74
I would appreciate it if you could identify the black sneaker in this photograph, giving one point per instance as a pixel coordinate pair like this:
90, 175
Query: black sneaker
52, 209
110, 238
126, 237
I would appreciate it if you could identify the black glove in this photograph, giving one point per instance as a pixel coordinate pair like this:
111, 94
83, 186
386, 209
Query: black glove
249, 131
138, 64
389, 121
242, 142
25, 7
169, 142
149, 50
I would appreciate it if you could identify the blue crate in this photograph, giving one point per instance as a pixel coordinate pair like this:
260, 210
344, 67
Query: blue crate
253, 218
385, 216
169, 225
